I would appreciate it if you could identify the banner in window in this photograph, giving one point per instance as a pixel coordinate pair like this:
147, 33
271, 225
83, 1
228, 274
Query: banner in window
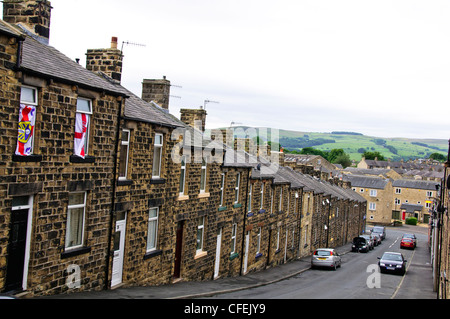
27, 120
81, 126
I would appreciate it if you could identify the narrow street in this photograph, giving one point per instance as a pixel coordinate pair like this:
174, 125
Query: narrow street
356, 278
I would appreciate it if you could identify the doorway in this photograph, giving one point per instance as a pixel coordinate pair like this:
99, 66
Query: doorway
19, 244
178, 250
119, 249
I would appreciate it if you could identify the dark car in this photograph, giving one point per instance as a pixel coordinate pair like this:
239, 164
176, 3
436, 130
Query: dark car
412, 237
380, 231
392, 262
370, 239
360, 244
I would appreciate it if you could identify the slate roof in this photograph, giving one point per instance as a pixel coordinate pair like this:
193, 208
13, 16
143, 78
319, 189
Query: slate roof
411, 208
366, 182
418, 184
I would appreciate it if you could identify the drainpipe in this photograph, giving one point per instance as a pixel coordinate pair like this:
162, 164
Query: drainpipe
113, 193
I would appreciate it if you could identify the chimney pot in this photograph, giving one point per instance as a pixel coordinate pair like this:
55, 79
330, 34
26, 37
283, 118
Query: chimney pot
114, 42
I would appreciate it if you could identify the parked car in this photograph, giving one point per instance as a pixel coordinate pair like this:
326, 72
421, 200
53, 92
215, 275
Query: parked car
360, 244
370, 239
325, 257
392, 262
379, 230
407, 243
376, 239
411, 236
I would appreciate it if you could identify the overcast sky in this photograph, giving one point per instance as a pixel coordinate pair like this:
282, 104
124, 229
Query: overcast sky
381, 68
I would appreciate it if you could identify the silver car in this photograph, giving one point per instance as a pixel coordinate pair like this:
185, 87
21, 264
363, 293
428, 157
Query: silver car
325, 257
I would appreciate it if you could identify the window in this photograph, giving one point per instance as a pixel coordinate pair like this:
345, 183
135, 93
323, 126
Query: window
82, 127
373, 193
124, 149
236, 188
397, 201
200, 232
27, 121
182, 175
203, 177
249, 204
280, 204
427, 204
152, 234
233, 238
75, 220
271, 200
278, 237
157, 154
372, 206
258, 242
398, 190
429, 194
262, 196
222, 186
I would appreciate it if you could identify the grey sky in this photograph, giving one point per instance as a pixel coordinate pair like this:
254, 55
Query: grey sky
313, 65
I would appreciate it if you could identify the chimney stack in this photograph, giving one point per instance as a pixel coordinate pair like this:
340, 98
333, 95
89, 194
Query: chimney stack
33, 16
157, 91
194, 116
107, 61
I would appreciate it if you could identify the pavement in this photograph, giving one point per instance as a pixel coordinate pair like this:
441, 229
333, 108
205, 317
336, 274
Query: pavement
199, 289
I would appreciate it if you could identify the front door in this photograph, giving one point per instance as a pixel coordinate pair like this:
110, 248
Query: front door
178, 250
118, 250
18, 247
219, 243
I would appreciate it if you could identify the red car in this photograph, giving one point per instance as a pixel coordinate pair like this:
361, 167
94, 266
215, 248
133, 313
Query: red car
407, 243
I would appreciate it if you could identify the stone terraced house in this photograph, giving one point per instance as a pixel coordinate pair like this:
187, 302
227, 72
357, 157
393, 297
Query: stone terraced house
101, 188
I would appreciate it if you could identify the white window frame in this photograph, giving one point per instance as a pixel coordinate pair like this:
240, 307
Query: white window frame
182, 185
126, 145
88, 129
201, 231
222, 188
69, 221
372, 206
35, 103
398, 190
249, 204
236, 188
280, 204
154, 222
258, 242
278, 237
233, 238
262, 196
157, 160
373, 193
429, 193
203, 177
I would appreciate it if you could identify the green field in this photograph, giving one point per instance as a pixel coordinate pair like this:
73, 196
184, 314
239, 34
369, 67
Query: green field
354, 144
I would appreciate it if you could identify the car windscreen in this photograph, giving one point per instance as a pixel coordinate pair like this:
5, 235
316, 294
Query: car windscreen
377, 229
394, 257
322, 253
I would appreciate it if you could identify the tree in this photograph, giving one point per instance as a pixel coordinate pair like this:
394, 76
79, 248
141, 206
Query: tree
373, 155
438, 157
344, 160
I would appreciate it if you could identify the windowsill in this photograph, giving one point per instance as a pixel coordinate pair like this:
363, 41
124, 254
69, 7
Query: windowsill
27, 159
222, 208
152, 254
203, 195
258, 255
75, 252
200, 254
183, 197
124, 182
78, 159
157, 180
237, 205
234, 255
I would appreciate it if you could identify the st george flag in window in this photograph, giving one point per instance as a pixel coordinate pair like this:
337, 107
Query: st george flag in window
81, 127
27, 120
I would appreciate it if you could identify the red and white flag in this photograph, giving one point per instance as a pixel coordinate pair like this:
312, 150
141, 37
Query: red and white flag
81, 125
27, 119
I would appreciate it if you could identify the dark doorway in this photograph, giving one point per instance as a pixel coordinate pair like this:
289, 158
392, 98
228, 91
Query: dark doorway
178, 250
16, 250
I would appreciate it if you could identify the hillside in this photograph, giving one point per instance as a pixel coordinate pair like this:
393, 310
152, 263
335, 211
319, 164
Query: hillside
355, 144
